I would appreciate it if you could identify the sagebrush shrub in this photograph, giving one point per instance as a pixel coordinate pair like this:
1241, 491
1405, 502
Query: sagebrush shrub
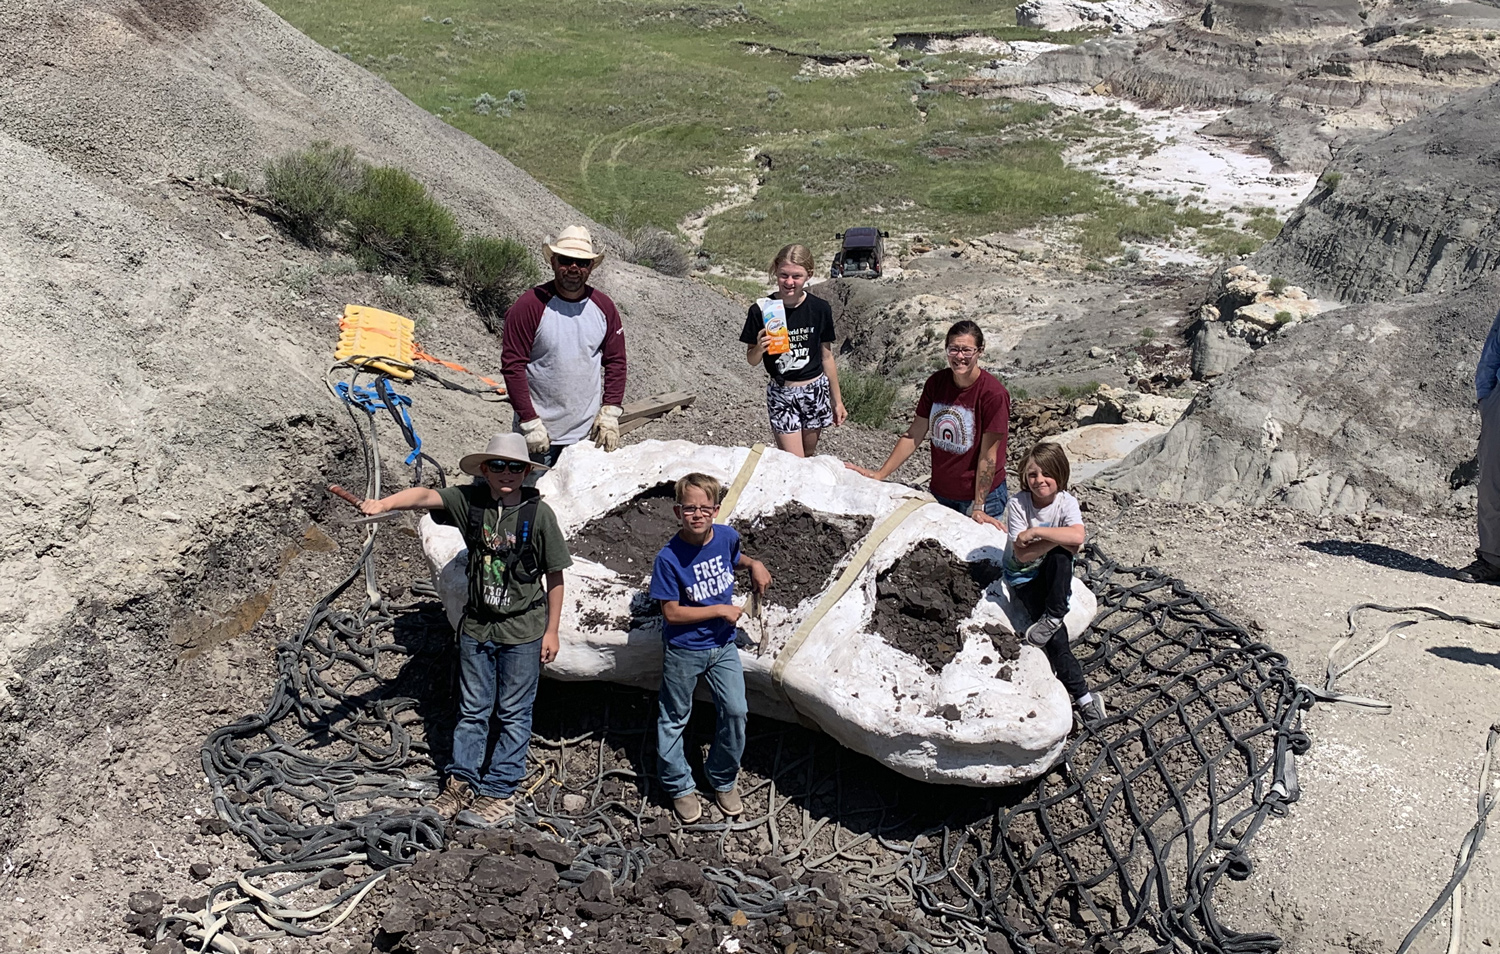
492, 273
658, 249
394, 225
867, 396
313, 188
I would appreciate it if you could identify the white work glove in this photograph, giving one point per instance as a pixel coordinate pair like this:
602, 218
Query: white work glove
606, 431
538, 441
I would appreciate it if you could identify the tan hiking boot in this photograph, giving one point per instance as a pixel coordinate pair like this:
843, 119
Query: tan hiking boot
730, 803
487, 811
455, 798
688, 808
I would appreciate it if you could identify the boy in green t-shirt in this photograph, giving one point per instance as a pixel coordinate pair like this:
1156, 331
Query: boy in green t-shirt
509, 627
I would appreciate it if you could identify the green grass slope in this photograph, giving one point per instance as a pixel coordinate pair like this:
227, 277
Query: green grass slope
647, 111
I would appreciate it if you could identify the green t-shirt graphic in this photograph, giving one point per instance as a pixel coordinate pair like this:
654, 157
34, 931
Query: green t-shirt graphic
501, 608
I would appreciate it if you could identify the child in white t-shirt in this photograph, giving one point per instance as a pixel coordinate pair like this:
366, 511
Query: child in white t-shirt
1045, 529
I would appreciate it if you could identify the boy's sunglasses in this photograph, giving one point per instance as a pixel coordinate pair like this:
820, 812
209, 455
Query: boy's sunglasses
501, 466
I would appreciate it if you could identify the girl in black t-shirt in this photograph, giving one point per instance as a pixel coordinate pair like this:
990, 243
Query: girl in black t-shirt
802, 395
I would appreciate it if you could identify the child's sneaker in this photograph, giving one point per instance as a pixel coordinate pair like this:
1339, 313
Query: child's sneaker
487, 811
457, 795
1041, 632
730, 803
688, 808
1092, 712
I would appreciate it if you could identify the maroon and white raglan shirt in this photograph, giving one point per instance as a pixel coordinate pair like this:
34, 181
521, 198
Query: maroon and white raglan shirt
561, 360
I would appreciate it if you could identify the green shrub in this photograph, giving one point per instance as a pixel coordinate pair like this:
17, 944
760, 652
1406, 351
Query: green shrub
1148, 333
656, 248
1282, 317
1330, 180
397, 227
1265, 226
1277, 285
1067, 392
492, 273
867, 396
313, 188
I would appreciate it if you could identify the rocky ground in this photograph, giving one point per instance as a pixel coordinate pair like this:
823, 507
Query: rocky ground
1387, 798
168, 526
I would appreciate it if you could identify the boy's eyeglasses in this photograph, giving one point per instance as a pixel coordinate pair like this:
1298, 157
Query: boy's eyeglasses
963, 352
695, 510
501, 466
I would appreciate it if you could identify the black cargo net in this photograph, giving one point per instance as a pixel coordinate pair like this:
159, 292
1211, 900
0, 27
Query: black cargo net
1125, 839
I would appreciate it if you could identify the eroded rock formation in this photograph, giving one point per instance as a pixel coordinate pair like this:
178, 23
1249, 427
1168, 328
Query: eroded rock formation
1368, 407
1413, 210
1301, 78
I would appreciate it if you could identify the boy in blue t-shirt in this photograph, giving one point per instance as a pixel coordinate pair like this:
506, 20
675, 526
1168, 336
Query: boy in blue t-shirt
693, 578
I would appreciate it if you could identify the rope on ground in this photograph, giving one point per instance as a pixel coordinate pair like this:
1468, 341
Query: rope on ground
1466, 849
1335, 672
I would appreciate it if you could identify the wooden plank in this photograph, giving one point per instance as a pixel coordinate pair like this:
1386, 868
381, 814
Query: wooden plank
656, 406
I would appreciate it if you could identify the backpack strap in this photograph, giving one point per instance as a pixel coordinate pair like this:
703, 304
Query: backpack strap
526, 567
525, 564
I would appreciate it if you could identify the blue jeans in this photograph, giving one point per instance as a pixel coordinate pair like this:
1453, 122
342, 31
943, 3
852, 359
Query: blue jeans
680, 669
500, 681
994, 504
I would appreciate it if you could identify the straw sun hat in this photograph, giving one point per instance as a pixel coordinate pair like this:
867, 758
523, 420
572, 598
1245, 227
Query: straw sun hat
573, 242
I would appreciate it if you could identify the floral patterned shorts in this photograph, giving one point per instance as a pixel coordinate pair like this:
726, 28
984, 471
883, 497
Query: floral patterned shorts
802, 407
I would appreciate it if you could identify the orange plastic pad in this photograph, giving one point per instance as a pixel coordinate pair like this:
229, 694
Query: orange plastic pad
368, 334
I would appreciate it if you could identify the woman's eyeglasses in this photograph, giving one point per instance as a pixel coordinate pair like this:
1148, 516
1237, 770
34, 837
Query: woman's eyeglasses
501, 466
963, 352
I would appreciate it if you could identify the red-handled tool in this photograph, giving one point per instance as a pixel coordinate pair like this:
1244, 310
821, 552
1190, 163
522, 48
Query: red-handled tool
343, 494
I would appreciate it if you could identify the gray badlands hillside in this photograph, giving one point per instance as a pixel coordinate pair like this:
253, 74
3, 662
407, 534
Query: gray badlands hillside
1368, 407
165, 418
1412, 210
1302, 77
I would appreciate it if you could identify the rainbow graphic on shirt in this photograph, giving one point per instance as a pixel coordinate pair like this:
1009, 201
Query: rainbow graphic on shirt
952, 428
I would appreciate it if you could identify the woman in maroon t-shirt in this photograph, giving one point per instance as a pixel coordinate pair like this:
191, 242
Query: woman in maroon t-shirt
966, 410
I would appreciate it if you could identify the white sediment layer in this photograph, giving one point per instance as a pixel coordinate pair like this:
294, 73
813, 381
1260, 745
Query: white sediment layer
1166, 154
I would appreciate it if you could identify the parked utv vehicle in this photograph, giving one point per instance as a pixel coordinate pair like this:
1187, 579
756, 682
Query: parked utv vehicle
861, 255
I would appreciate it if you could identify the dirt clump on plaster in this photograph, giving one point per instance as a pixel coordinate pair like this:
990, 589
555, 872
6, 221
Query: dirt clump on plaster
922, 599
628, 537
800, 548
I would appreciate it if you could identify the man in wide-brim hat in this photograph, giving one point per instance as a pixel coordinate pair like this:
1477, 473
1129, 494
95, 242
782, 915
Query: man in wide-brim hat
563, 354
509, 629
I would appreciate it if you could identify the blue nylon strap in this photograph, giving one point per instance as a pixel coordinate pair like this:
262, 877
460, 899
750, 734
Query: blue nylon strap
368, 399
